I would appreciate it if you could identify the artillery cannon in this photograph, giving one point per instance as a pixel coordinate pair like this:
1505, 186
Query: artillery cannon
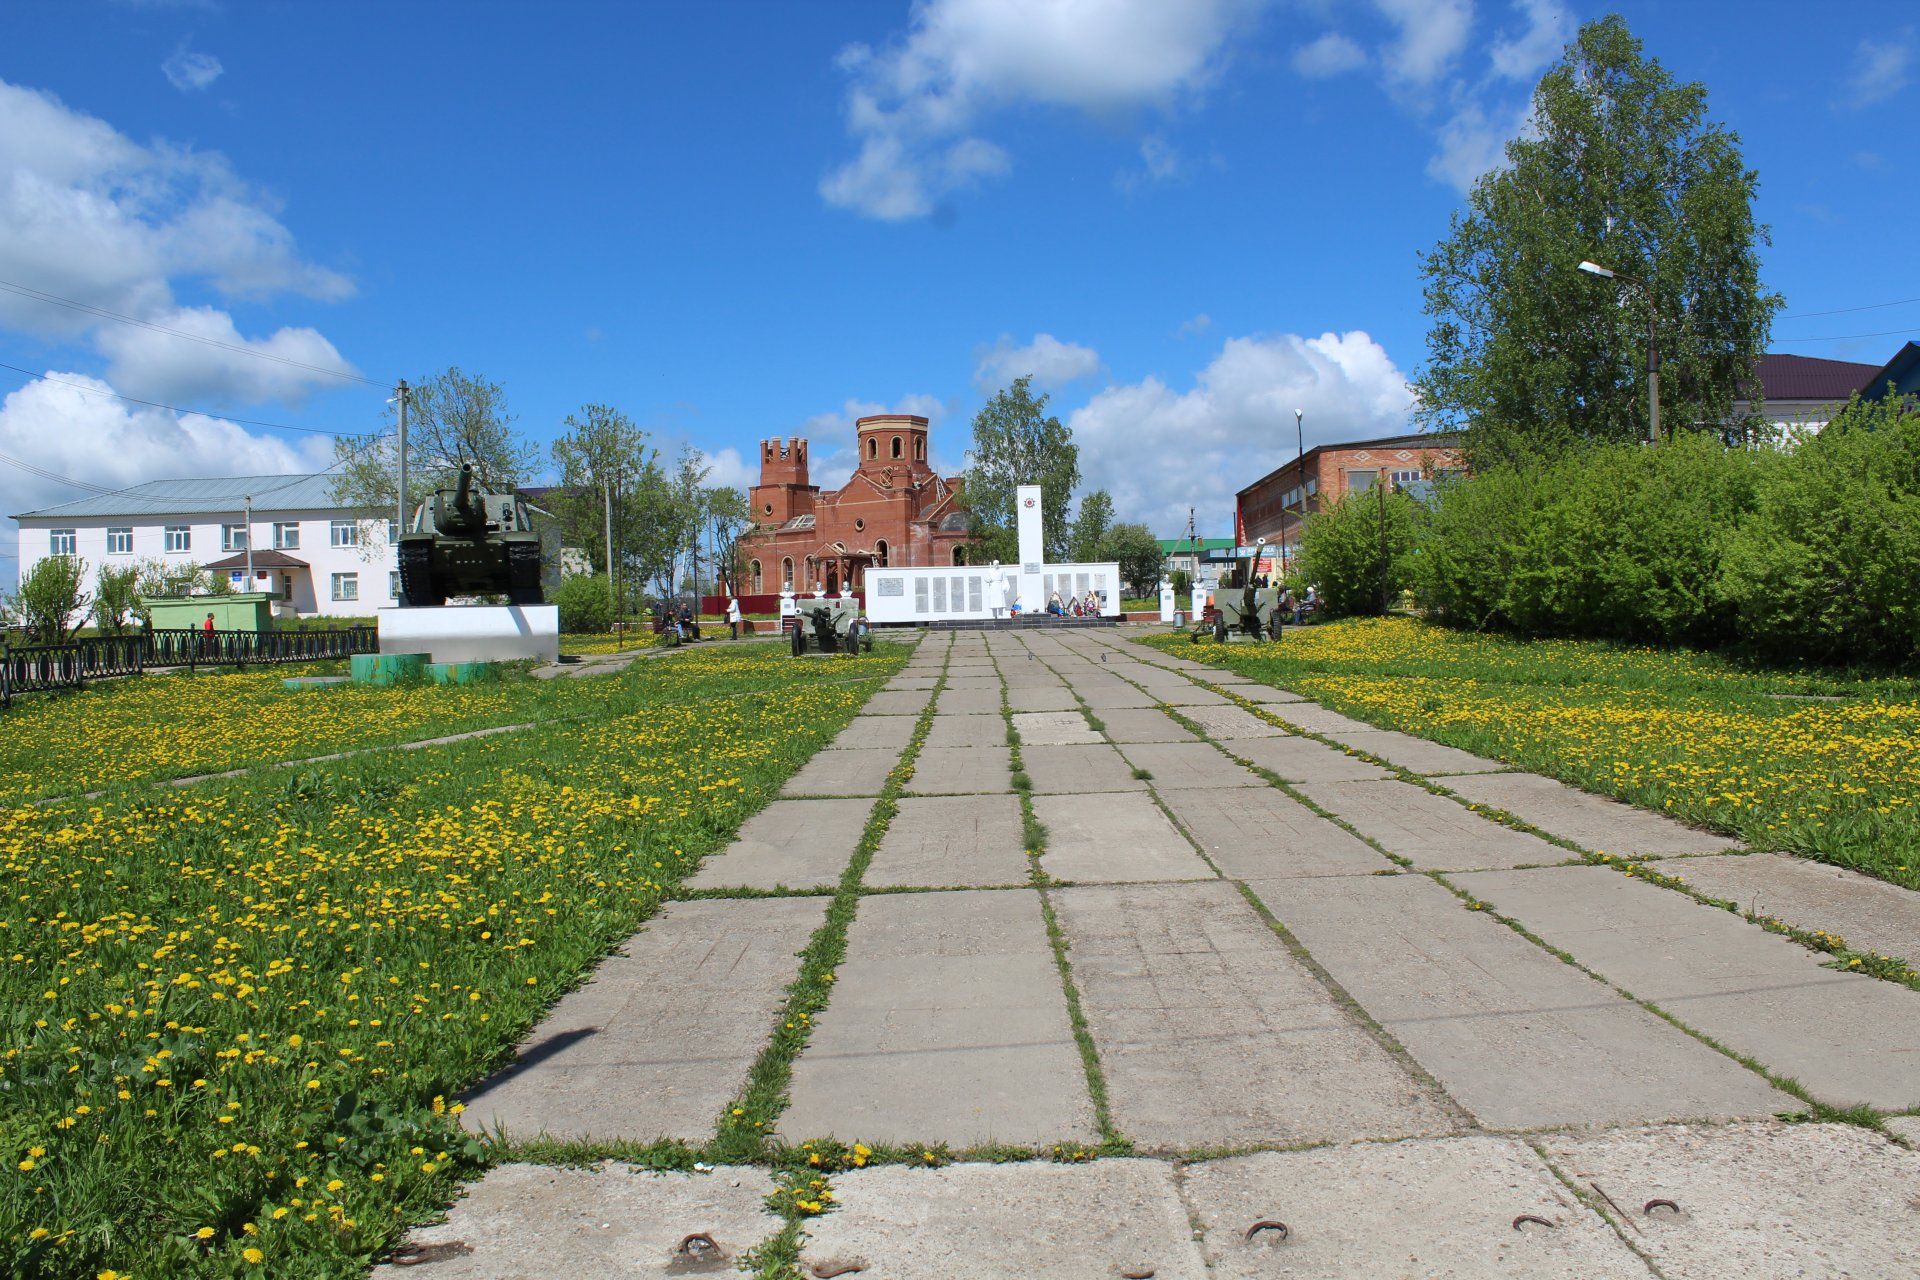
835, 624
1244, 604
469, 541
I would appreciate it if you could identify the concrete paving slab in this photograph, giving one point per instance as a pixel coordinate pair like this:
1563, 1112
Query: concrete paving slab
1051, 697
1227, 722
1590, 821
997, 1221
1187, 766
1104, 698
1267, 834
1315, 718
1430, 831
1905, 1128
1304, 760
1870, 914
970, 701
962, 770
1416, 755
948, 1024
876, 732
1759, 1201
790, 844
1212, 1034
913, 681
1401, 1211
898, 702
857, 771
1069, 769
1519, 1038
1847, 1037
985, 680
1143, 725
1192, 696
543, 1222
967, 731
951, 841
1267, 695
663, 1034
1053, 729
1112, 839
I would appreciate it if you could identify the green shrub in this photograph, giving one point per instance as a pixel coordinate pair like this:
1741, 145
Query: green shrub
1469, 545
51, 603
1826, 566
1343, 552
586, 603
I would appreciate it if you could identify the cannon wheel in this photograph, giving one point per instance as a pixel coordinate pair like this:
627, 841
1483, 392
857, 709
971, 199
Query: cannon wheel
855, 631
1274, 625
1219, 628
416, 576
799, 641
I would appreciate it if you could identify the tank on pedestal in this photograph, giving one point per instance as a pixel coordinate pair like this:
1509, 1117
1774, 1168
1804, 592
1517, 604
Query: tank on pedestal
468, 541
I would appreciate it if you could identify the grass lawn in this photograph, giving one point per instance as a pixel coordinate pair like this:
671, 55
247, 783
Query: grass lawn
233, 1015
1759, 752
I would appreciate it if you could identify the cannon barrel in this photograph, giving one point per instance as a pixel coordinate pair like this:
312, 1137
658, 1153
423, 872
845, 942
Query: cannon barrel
463, 491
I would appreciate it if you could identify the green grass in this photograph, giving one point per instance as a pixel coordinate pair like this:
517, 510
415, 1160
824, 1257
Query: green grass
243, 1009
1734, 747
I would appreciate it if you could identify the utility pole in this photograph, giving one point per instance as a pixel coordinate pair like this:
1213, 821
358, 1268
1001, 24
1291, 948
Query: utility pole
1653, 375
613, 595
1380, 485
1299, 469
400, 452
247, 533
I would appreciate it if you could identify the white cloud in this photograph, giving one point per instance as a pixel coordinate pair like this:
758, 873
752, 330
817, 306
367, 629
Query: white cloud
1050, 362
1196, 326
188, 69
1473, 143
727, 467
1159, 451
160, 366
1330, 55
86, 435
1522, 57
1431, 36
1881, 68
88, 214
914, 105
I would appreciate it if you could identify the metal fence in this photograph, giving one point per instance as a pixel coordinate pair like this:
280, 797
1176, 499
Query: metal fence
37, 668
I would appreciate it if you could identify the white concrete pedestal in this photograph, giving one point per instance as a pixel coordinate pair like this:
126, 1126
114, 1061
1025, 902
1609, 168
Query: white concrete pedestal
473, 632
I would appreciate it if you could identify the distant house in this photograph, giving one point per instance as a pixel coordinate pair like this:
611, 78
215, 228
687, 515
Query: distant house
312, 554
1902, 374
1799, 394
1191, 555
1274, 508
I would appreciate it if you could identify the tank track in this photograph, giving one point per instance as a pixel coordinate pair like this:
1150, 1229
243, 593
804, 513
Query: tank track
417, 586
523, 573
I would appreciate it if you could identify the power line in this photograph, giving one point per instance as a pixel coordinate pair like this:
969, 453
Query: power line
1842, 337
89, 309
1871, 306
251, 422
103, 492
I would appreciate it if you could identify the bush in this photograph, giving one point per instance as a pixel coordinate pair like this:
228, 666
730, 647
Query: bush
50, 603
115, 599
1826, 565
1343, 552
586, 603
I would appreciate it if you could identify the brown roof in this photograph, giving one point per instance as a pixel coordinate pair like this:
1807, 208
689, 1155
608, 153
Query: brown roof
1785, 377
262, 559
1419, 440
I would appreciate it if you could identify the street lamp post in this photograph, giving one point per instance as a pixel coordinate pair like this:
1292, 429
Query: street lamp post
1653, 346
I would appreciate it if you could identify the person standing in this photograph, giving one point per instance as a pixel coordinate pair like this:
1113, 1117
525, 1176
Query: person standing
733, 617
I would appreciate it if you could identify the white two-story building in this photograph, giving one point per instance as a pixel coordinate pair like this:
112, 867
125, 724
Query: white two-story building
313, 555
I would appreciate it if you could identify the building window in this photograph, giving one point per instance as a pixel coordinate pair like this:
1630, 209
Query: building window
880, 553
233, 537
960, 554
896, 446
1313, 487
62, 542
786, 573
1405, 478
393, 585
120, 542
286, 536
873, 447
345, 533
286, 587
920, 448
766, 508
346, 586
393, 532
753, 575
859, 525
179, 538
1361, 481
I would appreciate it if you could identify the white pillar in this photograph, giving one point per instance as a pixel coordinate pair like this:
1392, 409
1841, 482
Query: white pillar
1026, 510
1167, 602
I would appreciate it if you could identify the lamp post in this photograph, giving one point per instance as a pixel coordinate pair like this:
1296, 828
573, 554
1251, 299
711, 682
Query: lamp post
1653, 346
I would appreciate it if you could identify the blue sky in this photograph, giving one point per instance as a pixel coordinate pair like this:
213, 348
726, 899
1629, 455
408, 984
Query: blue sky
738, 221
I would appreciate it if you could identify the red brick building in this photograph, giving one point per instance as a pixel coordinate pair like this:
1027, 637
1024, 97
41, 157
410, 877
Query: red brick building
893, 510
1275, 506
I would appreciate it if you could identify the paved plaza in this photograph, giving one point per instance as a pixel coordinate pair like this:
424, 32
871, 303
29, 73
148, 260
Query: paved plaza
1318, 999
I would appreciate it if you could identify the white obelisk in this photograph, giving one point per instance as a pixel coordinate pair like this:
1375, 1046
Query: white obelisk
1033, 553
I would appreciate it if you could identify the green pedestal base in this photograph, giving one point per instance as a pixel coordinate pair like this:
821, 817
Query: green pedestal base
459, 672
386, 668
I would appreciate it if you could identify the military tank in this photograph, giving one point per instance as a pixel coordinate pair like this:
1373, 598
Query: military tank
467, 541
1244, 604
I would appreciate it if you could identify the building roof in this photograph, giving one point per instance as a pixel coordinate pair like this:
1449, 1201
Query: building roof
264, 558
222, 495
1417, 440
1900, 371
1788, 377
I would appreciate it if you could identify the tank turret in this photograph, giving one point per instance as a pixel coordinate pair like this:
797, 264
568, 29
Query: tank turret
469, 541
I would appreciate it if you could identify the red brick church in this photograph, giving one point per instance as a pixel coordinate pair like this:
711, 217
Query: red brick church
893, 510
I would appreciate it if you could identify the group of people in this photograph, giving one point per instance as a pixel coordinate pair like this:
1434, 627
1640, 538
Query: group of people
1076, 608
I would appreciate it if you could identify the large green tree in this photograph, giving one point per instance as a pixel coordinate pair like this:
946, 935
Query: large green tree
1091, 525
1138, 554
1623, 166
453, 418
1015, 442
609, 475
